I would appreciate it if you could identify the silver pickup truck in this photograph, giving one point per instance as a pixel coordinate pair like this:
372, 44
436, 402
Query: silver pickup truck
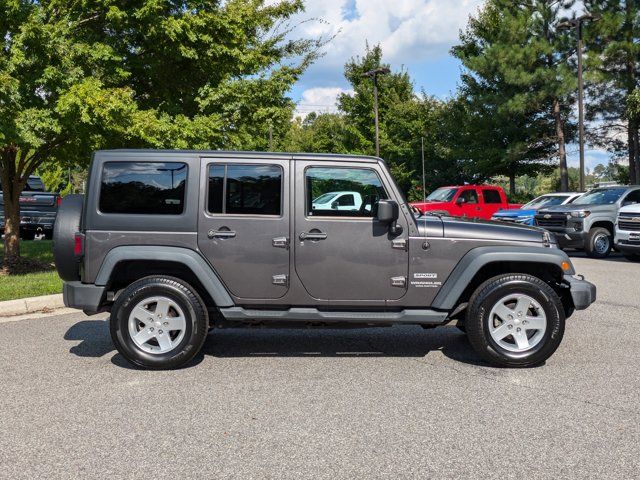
589, 222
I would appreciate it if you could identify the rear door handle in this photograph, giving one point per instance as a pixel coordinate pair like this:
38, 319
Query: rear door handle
221, 234
312, 236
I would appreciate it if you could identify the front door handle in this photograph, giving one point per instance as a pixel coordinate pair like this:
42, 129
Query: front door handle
312, 236
221, 234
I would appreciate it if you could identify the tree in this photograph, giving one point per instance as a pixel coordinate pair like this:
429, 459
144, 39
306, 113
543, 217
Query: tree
517, 66
78, 76
614, 73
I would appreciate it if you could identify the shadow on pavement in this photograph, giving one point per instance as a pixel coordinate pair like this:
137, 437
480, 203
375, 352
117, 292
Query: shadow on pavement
401, 341
370, 342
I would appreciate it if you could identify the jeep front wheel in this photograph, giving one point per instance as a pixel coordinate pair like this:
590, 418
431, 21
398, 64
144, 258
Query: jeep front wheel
599, 243
515, 320
159, 323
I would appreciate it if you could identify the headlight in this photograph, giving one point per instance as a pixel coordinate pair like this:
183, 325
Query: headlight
581, 213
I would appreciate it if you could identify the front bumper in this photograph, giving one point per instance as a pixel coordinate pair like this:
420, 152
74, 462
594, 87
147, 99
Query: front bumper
583, 293
83, 296
569, 237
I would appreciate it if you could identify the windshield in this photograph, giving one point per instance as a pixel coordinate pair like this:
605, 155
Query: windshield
442, 195
600, 196
545, 201
326, 198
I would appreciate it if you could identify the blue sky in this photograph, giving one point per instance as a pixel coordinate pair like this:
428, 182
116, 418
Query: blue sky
414, 34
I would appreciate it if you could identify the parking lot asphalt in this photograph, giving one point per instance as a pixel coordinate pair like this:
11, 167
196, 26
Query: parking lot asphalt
398, 402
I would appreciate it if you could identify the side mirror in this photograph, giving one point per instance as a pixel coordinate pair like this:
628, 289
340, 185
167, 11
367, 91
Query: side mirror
388, 213
334, 205
460, 201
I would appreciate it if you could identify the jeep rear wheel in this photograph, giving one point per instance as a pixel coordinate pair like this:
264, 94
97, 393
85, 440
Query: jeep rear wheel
159, 323
515, 320
599, 243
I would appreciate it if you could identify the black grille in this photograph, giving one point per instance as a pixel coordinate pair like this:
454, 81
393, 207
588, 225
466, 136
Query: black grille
629, 222
552, 221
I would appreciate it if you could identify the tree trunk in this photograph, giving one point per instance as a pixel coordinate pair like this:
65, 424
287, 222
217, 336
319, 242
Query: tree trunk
636, 154
632, 154
11, 188
562, 150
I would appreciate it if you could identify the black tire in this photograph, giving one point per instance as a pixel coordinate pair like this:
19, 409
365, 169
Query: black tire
593, 246
632, 257
66, 225
489, 294
28, 234
195, 312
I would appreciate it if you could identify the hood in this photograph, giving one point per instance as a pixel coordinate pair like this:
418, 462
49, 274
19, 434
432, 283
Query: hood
574, 208
431, 205
516, 212
484, 230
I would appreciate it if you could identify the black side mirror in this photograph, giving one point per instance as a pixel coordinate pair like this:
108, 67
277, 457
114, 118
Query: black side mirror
334, 205
388, 213
460, 200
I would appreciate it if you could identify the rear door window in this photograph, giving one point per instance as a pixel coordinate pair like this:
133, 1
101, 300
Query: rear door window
245, 189
148, 188
491, 196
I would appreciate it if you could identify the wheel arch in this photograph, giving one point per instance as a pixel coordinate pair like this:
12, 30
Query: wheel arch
126, 264
483, 263
606, 224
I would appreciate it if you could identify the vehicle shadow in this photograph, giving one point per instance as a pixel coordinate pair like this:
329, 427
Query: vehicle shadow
399, 341
613, 257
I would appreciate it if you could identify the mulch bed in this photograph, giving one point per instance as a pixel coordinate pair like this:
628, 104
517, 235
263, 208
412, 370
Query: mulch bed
23, 266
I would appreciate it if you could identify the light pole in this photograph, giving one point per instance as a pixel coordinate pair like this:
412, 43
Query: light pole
577, 24
374, 74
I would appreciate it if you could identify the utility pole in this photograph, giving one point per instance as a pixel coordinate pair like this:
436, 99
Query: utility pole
270, 137
374, 74
577, 24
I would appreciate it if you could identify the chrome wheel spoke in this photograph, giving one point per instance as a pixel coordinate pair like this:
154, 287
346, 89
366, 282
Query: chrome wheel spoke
174, 323
522, 307
521, 339
503, 312
143, 336
142, 314
164, 341
162, 307
501, 332
535, 323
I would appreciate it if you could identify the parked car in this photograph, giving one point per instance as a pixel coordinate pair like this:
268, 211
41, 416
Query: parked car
627, 238
525, 214
338, 201
38, 210
588, 223
187, 259
471, 201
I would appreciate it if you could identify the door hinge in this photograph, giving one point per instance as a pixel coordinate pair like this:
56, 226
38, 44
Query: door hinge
280, 242
399, 244
399, 282
281, 280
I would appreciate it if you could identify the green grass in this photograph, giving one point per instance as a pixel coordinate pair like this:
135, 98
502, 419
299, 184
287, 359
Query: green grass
31, 284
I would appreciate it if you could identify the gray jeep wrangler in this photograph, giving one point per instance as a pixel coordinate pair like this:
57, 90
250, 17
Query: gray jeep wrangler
175, 243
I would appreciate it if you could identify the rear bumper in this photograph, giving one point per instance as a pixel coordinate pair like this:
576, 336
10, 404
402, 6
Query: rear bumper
83, 296
583, 293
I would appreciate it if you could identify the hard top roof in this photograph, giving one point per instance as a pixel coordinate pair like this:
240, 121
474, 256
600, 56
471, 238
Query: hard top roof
243, 154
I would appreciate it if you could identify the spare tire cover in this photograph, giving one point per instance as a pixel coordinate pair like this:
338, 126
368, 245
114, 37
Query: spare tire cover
66, 225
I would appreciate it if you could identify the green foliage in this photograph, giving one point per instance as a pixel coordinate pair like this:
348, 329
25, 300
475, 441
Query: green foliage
81, 76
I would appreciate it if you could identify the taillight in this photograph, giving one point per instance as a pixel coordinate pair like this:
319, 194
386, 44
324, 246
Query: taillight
78, 245
58, 201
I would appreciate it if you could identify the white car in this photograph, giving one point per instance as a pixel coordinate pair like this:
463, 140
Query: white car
350, 201
627, 238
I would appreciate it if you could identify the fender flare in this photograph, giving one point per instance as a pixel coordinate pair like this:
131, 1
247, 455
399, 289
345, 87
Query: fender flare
189, 258
479, 257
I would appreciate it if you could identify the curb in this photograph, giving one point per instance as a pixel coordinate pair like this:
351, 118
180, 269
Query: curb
21, 306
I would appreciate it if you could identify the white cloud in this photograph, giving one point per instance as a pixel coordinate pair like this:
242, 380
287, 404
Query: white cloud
408, 30
320, 100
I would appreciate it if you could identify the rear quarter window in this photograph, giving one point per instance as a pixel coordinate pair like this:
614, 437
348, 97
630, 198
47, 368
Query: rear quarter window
148, 188
491, 196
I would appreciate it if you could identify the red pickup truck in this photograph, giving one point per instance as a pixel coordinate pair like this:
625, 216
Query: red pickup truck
472, 201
